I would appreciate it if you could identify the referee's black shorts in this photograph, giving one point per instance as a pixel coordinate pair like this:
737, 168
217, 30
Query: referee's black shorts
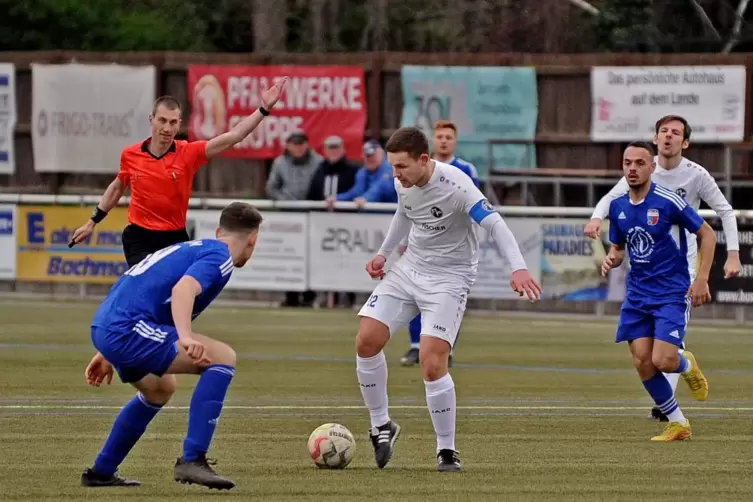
139, 242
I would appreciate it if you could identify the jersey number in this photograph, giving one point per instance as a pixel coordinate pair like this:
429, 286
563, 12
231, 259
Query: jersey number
372, 301
150, 260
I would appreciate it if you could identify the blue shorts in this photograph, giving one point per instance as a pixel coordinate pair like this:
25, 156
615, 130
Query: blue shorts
660, 319
146, 348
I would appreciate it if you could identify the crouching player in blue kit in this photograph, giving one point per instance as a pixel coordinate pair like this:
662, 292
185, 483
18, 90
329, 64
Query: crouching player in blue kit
143, 330
656, 309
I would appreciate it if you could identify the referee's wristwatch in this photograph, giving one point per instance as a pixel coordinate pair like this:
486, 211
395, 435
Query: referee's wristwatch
263, 111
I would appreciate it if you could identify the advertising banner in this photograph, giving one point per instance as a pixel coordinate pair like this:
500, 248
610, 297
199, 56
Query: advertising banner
571, 262
7, 242
738, 290
493, 279
320, 101
627, 101
340, 245
279, 262
8, 117
83, 115
483, 102
43, 234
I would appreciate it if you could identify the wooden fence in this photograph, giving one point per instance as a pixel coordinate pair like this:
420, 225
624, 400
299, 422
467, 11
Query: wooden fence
563, 126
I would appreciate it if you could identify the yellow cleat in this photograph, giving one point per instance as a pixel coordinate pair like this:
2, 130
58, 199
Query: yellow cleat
695, 379
675, 431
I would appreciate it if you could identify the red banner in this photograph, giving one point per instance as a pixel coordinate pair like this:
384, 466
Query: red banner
320, 101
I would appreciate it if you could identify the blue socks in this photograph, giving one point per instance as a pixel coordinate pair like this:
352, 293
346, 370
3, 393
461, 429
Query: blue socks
684, 364
126, 431
659, 389
206, 406
414, 328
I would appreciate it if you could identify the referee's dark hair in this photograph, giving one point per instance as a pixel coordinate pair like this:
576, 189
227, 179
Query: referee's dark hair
642, 144
168, 102
240, 217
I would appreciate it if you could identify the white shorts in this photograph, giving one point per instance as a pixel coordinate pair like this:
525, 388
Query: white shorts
403, 294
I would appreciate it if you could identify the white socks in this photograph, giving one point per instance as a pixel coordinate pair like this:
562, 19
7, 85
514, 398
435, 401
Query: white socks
372, 378
440, 398
677, 416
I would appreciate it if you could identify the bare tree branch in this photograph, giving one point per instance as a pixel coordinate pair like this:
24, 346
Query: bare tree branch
707, 24
585, 6
735, 36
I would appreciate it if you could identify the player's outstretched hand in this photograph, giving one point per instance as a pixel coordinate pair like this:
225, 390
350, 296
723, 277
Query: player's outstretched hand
699, 292
273, 94
98, 371
593, 228
523, 283
375, 267
195, 350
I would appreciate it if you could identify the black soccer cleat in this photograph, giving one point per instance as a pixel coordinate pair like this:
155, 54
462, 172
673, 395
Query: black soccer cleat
448, 461
410, 358
656, 414
198, 472
92, 479
383, 438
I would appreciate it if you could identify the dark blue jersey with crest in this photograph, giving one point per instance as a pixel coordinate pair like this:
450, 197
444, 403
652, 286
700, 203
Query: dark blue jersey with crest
657, 251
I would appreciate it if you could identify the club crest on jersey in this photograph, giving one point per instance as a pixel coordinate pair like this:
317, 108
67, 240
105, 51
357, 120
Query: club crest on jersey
681, 192
652, 216
436, 212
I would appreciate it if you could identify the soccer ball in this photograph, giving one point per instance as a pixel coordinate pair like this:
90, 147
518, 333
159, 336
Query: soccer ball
332, 446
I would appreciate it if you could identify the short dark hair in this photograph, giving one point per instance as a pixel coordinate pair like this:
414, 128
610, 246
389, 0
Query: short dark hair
409, 140
240, 217
168, 102
671, 118
642, 144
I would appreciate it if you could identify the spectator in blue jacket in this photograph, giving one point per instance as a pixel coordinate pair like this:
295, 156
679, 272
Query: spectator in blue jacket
374, 182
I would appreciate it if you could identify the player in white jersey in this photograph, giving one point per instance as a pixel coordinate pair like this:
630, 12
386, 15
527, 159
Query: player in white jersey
689, 180
437, 204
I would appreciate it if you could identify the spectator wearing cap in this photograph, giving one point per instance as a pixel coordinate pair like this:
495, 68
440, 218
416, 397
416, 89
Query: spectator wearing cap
336, 174
291, 174
290, 179
374, 181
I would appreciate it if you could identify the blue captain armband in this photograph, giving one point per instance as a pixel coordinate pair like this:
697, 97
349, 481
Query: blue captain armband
481, 210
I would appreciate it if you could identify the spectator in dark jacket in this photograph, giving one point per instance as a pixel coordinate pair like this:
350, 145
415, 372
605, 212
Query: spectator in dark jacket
336, 174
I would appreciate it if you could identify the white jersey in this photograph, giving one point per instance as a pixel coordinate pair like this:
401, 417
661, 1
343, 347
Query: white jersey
442, 240
694, 183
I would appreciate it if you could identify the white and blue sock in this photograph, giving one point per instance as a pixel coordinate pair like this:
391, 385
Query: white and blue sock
126, 431
659, 389
205, 409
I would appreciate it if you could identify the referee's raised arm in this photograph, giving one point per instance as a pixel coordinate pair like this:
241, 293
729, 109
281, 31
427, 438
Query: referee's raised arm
160, 173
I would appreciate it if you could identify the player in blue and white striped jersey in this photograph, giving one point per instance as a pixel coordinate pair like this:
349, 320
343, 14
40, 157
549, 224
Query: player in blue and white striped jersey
143, 331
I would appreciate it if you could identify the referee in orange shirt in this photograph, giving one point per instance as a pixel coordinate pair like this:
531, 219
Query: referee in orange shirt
160, 172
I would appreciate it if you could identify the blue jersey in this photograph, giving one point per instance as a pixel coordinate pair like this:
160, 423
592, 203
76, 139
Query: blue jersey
467, 168
657, 252
143, 292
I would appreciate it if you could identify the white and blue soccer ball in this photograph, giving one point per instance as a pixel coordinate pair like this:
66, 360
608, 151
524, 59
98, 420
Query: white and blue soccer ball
332, 446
